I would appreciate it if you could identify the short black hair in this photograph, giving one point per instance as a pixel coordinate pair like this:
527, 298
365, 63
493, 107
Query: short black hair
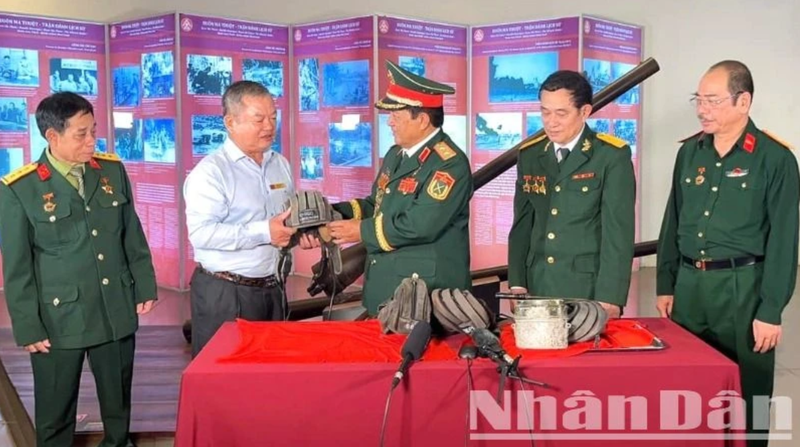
234, 94
574, 82
436, 114
55, 110
740, 79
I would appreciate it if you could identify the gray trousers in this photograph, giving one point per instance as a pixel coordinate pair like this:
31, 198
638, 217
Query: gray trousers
215, 301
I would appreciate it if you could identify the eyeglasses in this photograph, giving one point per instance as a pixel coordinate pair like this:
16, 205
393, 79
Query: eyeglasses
711, 102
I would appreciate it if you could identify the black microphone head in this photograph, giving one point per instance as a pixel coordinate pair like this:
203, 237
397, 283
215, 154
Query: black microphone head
484, 338
468, 352
417, 340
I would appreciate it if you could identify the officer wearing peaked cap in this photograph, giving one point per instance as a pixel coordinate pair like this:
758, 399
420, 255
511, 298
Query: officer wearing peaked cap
77, 272
573, 229
416, 219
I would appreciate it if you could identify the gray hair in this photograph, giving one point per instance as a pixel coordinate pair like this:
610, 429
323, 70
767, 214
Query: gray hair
234, 94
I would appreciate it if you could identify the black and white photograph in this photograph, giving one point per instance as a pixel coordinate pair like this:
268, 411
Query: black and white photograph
350, 144
498, 131
11, 158
128, 143
208, 134
208, 75
517, 77
599, 125
308, 76
311, 163
346, 84
19, 68
267, 73
127, 80
159, 140
74, 75
13, 114
533, 123
597, 72
158, 75
414, 64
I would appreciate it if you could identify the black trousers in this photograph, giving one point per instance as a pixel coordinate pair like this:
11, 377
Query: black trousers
215, 301
57, 378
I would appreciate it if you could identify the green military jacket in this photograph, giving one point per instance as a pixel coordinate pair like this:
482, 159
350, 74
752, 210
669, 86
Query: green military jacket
416, 220
74, 270
573, 231
743, 204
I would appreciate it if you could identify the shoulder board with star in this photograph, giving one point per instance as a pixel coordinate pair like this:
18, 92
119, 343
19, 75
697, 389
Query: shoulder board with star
778, 140
444, 150
533, 142
19, 173
106, 157
617, 142
691, 137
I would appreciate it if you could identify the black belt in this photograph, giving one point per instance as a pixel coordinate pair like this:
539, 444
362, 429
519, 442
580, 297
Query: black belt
717, 264
266, 282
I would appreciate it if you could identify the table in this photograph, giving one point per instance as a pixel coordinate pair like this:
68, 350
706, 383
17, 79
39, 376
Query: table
343, 404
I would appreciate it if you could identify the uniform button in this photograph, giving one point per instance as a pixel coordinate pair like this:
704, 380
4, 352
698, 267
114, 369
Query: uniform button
703, 252
88, 209
373, 262
714, 189
114, 203
94, 232
744, 185
550, 260
105, 281
52, 218
700, 234
56, 302
551, 236
719, 164
558, 188
706, 214
388, 191
554, 211
688, 180
100, 256
585, 188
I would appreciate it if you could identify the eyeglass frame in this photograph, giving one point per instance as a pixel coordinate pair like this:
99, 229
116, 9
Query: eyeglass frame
697, 101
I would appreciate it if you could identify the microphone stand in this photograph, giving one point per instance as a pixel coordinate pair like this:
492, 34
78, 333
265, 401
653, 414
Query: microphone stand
507, 369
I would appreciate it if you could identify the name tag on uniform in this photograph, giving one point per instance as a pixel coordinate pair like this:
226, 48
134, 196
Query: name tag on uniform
583, 176
277, 186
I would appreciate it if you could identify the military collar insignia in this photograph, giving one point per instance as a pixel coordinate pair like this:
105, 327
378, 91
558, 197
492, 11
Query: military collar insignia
586, 145
43, 171
94, 164
424, 155
749, 143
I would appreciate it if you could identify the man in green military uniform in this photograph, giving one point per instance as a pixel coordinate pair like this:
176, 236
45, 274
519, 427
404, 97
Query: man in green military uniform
573, 230
416, 221
77, 271
727, 254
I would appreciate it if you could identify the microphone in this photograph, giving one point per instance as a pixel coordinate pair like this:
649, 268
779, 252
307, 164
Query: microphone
489, 345
413, 348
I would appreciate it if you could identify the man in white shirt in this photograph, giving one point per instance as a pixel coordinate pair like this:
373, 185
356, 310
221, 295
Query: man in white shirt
235, 212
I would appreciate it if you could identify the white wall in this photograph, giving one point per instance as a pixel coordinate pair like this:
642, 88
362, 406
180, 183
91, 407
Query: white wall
684, 36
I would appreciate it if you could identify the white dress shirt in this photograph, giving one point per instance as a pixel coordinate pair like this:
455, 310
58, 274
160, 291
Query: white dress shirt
229, 201
569, 146
415, 148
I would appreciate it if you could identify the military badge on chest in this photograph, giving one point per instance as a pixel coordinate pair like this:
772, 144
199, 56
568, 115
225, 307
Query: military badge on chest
49, 206
107, 188
700, 177
383, 181
539, 185
408, 185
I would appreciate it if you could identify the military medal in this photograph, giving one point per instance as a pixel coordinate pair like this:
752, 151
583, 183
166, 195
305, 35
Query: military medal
408, 185
49, 206
700, 178
383, 180
526, 187
107, 188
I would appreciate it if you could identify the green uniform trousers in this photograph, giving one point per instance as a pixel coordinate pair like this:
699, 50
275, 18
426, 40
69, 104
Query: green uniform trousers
57, 378
719, 307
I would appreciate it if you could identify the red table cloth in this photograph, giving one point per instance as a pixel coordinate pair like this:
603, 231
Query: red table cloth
295, 402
